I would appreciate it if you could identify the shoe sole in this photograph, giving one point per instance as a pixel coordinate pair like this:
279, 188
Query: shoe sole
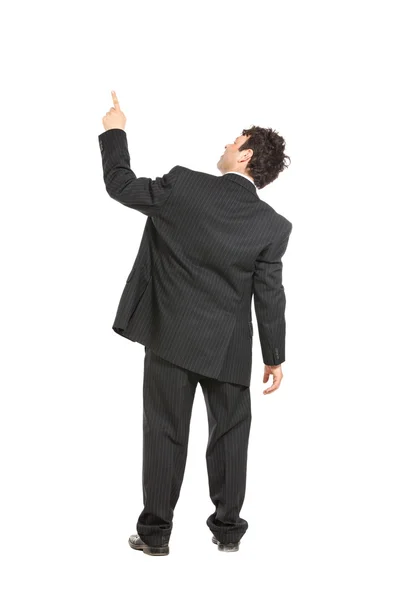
150, 550
224, 547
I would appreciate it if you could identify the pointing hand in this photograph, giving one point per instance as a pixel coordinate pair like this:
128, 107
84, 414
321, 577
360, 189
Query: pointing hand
115, 118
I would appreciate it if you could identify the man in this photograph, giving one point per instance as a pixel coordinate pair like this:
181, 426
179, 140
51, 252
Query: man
209, 245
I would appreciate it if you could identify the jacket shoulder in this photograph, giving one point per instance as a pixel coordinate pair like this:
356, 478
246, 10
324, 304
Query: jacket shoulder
282, 223
194, 172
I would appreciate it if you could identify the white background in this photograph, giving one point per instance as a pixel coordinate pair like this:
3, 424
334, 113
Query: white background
323, 471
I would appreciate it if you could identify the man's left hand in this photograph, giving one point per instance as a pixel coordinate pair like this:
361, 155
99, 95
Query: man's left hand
115, 118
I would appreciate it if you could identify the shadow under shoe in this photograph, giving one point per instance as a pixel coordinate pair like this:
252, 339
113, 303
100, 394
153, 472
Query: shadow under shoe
137, 543
231, 547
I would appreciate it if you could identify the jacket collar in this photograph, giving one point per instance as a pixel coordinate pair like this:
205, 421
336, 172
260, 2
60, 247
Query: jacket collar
246, 183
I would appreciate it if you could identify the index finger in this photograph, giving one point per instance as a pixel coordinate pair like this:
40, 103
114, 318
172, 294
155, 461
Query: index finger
115, 99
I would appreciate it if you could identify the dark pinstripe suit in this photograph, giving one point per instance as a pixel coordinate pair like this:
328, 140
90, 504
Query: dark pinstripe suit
209, 244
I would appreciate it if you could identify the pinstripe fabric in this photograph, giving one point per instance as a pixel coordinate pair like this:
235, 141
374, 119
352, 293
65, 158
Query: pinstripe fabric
242, 175
168, 394
208, 245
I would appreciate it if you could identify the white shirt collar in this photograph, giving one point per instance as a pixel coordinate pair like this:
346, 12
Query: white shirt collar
243, 175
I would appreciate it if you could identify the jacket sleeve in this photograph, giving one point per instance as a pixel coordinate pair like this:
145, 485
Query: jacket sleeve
270, 300
141, 193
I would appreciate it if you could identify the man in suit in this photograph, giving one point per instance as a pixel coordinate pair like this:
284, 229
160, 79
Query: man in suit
209, 245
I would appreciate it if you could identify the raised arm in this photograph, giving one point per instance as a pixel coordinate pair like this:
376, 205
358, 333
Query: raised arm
141, 193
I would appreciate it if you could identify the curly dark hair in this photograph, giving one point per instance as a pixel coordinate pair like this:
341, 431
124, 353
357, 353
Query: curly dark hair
268, 158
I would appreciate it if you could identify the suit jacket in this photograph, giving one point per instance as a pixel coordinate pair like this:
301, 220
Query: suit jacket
209, 244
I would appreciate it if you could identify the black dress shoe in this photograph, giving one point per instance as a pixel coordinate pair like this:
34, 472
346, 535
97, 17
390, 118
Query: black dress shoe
137, 544
231, 547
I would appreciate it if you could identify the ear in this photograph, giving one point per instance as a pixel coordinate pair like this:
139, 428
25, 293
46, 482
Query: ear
247, 154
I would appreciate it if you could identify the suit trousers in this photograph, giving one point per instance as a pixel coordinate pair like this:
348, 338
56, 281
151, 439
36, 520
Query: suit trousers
168, 394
